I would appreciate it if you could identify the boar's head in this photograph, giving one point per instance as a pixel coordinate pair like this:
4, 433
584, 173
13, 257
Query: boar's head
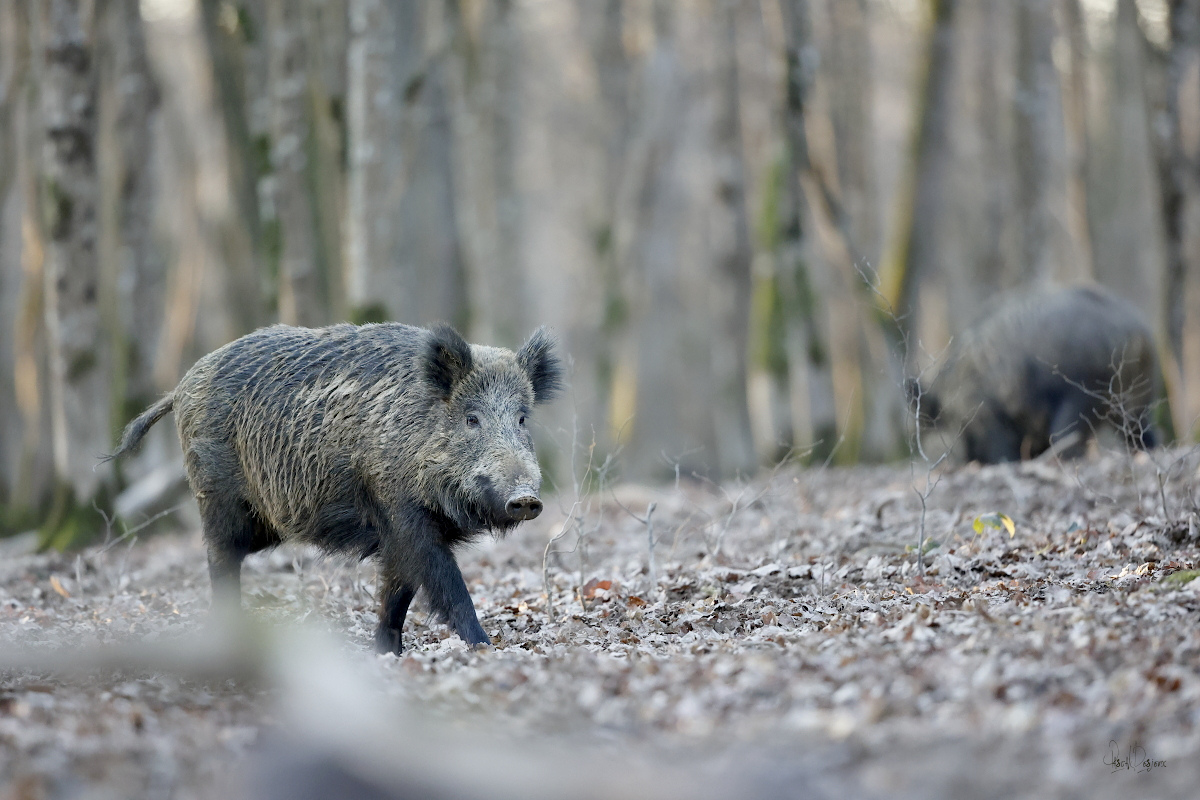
480, 465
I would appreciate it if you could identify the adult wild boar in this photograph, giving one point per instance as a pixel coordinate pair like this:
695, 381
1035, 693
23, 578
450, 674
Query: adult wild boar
1042, 368
378, 440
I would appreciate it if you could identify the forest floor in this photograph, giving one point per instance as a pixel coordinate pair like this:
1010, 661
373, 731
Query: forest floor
786, 645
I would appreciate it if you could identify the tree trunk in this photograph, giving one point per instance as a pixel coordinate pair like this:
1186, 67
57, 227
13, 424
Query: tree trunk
1075, 106
15, 377
806, 323
1047, 252
1178, 184
79, 361
234, 37
302, 290
139, 273
402, 254
729, 298
913, 252
687, 257
485, 91
1126, 201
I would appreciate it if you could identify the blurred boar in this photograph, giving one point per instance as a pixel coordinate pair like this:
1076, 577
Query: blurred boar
381, 440
1044, 368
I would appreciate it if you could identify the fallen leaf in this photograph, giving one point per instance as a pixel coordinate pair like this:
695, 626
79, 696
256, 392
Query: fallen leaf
995, 520
58, 587
591, 587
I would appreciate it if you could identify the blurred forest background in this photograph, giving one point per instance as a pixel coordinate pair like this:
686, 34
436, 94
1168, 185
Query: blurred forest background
745, 219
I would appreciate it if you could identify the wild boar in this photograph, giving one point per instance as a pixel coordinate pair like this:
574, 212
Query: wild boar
386, 440
1041, 369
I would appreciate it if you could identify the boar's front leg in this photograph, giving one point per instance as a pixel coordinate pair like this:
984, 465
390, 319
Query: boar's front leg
448, 596
1071, 423
415, 554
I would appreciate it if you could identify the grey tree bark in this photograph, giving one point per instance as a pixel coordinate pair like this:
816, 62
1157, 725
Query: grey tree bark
80, 405
14, 68
914, 251
1047, 250
1126, 204
689, 257
729, 299
806, 322
402, 253
302, 289
138, 274
1178, 184
485, 89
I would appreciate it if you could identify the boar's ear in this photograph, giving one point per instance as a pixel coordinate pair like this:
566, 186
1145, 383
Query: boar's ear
447, 358
542, 366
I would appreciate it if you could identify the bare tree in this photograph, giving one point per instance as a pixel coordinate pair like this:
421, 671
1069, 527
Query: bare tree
913, 251
402, 252
807, 327
15, 499
1047, 251
485, 92
138, 274
1075, 111
1177, 181
302, 289
687, 260
730, 242
80, 398
1127, 228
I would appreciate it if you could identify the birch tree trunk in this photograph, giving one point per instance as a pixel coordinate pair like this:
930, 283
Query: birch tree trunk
79, 394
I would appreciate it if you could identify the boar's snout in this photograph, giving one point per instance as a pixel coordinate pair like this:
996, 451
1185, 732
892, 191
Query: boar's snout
523, 505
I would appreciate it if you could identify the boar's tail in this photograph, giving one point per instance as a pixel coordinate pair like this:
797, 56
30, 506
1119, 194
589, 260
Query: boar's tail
135, 430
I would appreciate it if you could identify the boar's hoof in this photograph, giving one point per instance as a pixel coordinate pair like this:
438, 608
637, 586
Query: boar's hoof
523, 506
387, 640
482, 647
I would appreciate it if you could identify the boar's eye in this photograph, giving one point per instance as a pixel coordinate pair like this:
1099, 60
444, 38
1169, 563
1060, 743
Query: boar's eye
472, 420
521, 421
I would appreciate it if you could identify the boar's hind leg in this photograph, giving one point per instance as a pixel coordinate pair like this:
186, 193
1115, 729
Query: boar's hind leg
231, 532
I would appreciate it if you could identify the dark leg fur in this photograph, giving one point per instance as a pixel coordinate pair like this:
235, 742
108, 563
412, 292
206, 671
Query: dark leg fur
1068, 419
231, 532
416, 555
448, 596
393, 608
